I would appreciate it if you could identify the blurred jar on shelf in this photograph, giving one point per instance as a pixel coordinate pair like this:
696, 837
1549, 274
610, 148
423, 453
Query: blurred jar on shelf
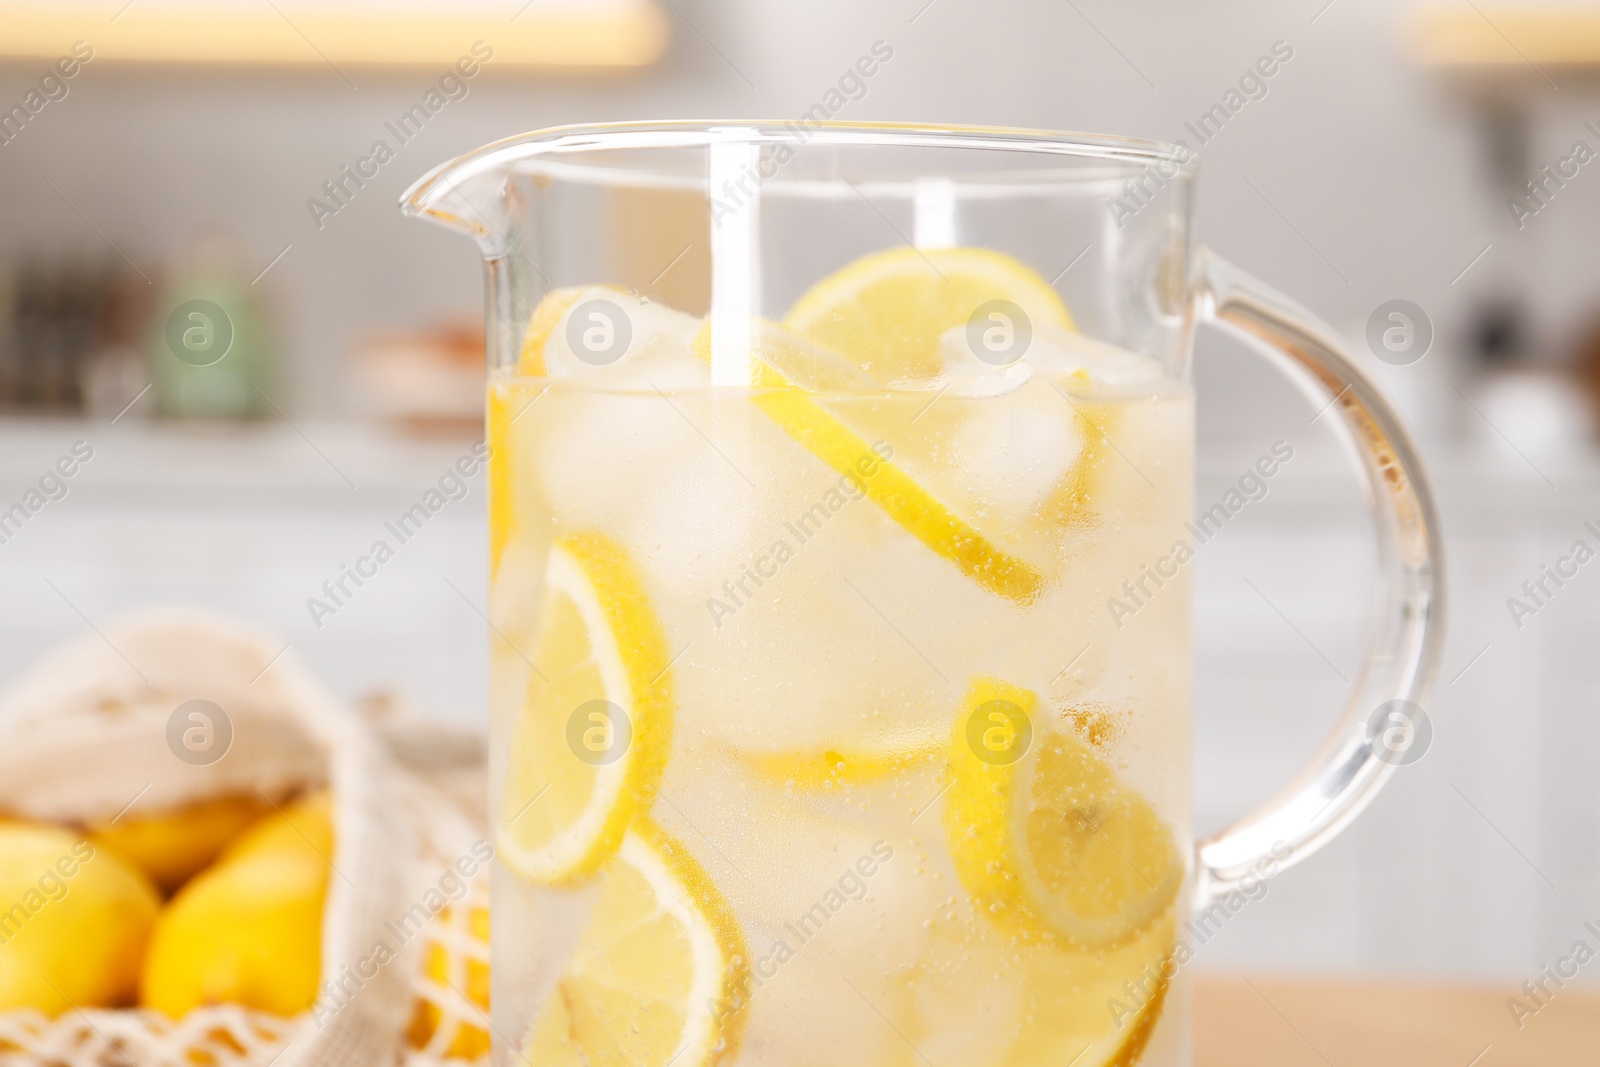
1526, 397
209, 348
51, 316
112, 374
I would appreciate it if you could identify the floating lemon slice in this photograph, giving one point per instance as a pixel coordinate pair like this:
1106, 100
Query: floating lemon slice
507, 401
844, 765
1098, 1006
889, 311
502, 472
1044, 833
660, 974
1071, 504
597, 331
977, 996
542, 324
785, 371
589, 747
886, 311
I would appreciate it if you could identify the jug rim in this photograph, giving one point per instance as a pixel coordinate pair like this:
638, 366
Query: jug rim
580, 138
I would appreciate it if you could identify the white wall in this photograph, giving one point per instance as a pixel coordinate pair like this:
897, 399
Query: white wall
1373, 168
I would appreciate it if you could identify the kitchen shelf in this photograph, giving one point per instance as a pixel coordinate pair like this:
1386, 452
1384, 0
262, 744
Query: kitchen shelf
567, 35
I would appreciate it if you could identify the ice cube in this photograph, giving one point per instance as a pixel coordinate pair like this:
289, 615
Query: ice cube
967, 993
595, 453
1057, 646
1067, 354
612, 337
695, 520
834, 910
972, 374
1016, 450
785, 657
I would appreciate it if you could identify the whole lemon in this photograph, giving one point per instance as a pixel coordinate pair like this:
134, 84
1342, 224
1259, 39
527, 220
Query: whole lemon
305, 825
172, 846
248, 930
74, 920
468, 976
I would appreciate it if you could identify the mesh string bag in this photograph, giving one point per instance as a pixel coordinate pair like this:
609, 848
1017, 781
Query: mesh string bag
87, 735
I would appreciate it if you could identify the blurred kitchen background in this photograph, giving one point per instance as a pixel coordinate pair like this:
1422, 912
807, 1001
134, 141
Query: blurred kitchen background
1376, 167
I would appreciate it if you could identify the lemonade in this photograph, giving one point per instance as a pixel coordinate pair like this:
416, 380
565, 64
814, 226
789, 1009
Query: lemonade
839, 716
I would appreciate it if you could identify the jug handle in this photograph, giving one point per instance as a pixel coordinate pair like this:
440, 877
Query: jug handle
1356, 760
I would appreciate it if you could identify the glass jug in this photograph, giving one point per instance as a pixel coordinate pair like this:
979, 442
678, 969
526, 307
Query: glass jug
841, 523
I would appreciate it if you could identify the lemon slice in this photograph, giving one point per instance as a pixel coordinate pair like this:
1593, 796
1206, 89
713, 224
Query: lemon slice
1043, 832
542, 324
1094, 1009
845, 765
886, 311
889, 312
617, 330
506, 402
976, 996
661, 971
502, 474
785, 369
1072, 504
589, 747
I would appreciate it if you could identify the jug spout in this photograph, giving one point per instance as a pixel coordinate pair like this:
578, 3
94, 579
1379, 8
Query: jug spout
469, 195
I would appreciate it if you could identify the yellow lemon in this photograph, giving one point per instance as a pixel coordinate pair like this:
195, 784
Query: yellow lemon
886, 311
660, 975
591, 742
305, 824
74, 920
842, 766
1044, 834
248, 930
170, 846
787, 371
466, 975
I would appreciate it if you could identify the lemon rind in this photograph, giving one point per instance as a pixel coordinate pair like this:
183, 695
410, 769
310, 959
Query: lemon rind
1009, 276
985, 807
629, 648
899, 495
718, 954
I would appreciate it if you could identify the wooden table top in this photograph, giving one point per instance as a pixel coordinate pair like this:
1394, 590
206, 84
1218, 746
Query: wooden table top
1281, 1022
